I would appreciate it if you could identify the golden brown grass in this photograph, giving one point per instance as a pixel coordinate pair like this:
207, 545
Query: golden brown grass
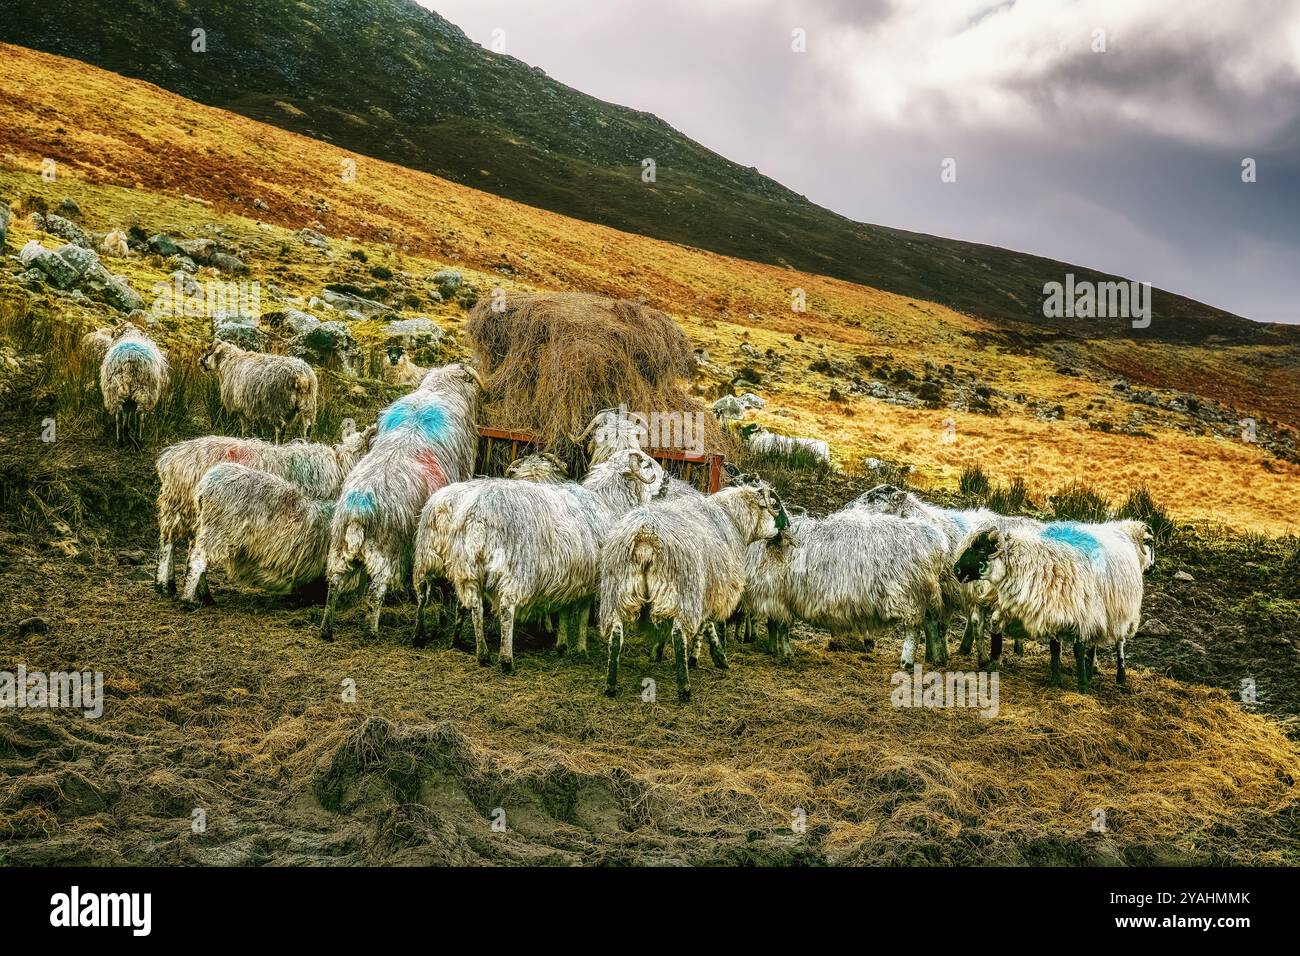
131, 152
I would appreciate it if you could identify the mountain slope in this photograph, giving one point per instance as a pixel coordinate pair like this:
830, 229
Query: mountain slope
854, 369
389, 79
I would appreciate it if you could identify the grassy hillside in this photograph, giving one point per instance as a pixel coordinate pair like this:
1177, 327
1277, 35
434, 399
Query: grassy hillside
391, 80
1044, 409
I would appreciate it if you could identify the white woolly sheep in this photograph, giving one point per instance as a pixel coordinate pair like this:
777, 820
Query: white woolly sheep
261, 530
315, 470
262, 389
763, 442
527, 547
683, 560
853, 572
400, 370
954, 524
610, 430
544, 468
426, 439
132, 376
95, 344
1078, 581
115, 244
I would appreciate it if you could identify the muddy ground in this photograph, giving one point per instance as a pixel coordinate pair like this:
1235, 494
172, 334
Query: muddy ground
227, 737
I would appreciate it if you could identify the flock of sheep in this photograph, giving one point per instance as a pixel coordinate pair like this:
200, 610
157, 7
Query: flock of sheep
397, 502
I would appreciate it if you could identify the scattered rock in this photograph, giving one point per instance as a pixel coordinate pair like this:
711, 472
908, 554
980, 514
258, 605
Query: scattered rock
227, 263
60, 273
329, 345
68, 207
33, 625
163, 245
413, 333
1183, 576
346, 302
5, 216
65, 229
447, 281
289, 323
313, 238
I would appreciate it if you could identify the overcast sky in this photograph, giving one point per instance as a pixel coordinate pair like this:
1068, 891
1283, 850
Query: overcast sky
1127, 160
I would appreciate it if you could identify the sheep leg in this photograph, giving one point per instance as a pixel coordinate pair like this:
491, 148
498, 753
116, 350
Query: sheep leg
680, 663
1121, 676
1092, 661
331, 605
378, 587
1018, 646
936, 633
774, 637
716, 650
660, 631
968, 636
1081, 665
421, 637
1055, 678
506, 658
197, 573
785, 640
995, 642
909, 648
480, 643
165, 581
582, 614
693, 650
615, 649
567, 634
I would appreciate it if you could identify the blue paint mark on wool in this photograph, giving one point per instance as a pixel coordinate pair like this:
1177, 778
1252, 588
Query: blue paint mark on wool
1069, 533
132, 348
959, 520
359, 502
417, 414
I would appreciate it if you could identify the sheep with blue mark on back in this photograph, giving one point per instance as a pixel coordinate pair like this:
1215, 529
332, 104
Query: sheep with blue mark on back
132, 376
973, 597
528, 547
1080, 582
426, 439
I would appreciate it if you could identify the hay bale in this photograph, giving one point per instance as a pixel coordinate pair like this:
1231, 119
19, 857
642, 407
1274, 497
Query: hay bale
553, 360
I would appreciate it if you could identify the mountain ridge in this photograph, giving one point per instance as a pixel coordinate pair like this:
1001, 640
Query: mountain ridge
431, 99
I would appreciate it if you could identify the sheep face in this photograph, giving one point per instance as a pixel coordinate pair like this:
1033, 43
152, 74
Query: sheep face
211, 359
1148, 549
982, 559
395, 354
647, 471
771, 521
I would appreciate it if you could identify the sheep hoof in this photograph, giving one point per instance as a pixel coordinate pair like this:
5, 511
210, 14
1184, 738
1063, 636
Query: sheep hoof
163, 590
692, 662
561, 649
484, 660
507, 665
326, 635
684, 696
189, 604
611, 691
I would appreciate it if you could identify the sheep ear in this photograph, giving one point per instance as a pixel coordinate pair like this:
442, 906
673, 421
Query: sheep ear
473, 373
